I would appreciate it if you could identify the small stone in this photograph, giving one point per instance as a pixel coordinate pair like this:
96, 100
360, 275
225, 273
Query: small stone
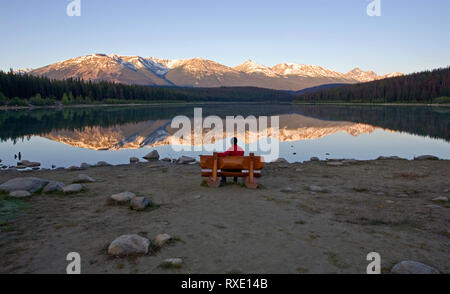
426, 157
432, 206
381, 193
162, 239
154, 155
129, 245
172, 263
288, 190
20, 194
440, 199
53, 186
83, 178
299, 170
185, 160
414, 268
140, 203
314, 159
123, 197
446, 190
85, 165
134, 160
390, 202
74, 188
316, 189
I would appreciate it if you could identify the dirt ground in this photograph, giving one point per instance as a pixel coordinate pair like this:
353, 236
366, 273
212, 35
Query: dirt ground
383, 206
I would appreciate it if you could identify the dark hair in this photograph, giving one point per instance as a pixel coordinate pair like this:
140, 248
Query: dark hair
234, 141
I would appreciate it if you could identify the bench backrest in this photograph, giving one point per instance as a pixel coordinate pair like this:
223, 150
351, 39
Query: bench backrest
232, 162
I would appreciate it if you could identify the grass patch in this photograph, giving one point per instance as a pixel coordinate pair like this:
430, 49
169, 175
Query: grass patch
10, 208
204, 183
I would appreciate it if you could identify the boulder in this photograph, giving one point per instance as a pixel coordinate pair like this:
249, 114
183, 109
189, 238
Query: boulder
129, 245
23, 184
413, 267
83, 178
53, 186
74, 188
162, 239
140, 203
85, 165
426, 157
20, 194
185, 160
102, 163
154, 155
134, 160
123, 197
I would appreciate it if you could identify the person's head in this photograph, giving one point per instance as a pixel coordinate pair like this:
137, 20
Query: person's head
234, 141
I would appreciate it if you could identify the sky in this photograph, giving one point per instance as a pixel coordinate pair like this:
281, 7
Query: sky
409, 36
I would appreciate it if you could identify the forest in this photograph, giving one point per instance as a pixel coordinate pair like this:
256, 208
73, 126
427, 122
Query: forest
424, 87
26, 90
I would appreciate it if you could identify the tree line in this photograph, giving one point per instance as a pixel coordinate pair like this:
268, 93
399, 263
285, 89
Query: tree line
424, 87
24, 89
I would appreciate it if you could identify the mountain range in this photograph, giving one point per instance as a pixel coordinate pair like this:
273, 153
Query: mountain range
198, 72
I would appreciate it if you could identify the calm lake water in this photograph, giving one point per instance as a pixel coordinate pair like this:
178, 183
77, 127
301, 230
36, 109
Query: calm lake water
71, 136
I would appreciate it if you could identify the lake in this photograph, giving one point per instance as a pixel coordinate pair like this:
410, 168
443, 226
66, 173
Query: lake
71, 136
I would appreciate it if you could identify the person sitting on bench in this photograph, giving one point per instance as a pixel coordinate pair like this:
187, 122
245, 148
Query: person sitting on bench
234, 150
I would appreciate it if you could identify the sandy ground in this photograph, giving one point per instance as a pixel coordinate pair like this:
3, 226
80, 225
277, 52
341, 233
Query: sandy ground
383, 206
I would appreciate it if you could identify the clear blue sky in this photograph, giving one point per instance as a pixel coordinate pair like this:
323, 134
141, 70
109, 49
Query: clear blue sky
410, 35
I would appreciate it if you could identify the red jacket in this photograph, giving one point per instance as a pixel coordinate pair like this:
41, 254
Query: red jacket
234, 150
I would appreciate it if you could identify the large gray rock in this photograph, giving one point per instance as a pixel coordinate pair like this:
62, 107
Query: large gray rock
53, 186
426, 157
129, 245
140, 203
83, 179
413, 267
23, 184
85, 165
154, 155
74, 188
185, 160
20, 194
123, 197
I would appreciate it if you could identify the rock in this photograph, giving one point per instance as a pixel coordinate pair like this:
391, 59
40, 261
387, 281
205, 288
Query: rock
83, 178
280, 160
73, 167
24, 184
140, 203
20, 194
440, 199
390, 202
129, 245
123, 197
426, 157
102, 163
414, 268
134, 160
154, 155
317, 189
446, 190
162, 239
431, 206
335, 163
381, 193
74, 188
299, 170
172, 263
53, 186
26, 163
85, 165
389, 158
167, 159
185, 160
314, 159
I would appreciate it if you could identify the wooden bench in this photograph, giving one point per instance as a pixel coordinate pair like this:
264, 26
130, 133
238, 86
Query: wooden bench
247, 167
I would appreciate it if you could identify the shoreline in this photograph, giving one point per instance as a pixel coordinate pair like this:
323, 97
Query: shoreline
311, 217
